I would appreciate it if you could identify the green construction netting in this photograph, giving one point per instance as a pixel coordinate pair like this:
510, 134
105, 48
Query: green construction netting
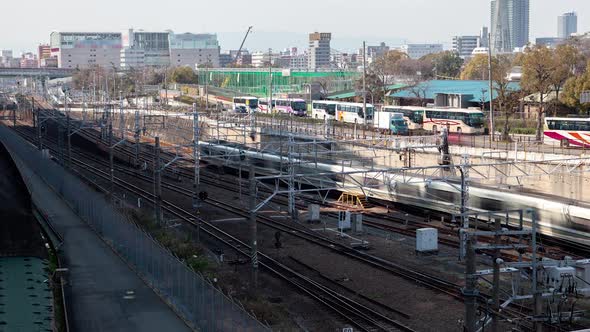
256, 82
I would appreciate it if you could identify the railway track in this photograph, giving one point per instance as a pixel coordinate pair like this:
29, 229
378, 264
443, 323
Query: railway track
354, 312
429, 281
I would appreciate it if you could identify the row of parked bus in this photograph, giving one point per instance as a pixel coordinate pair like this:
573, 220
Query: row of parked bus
397, 119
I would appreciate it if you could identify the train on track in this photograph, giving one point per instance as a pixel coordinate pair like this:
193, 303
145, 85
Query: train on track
557, 218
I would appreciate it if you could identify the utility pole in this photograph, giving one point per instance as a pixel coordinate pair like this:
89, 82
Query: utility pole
39, 134
196, 156
470, 291
492, 129
537, 295
364, 80
253, 225
111, 160
207, 87
136, 136
270, 81
157, 182
291, 168
68, 130
496, 277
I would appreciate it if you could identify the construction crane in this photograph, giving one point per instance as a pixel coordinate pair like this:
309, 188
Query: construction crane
241, 46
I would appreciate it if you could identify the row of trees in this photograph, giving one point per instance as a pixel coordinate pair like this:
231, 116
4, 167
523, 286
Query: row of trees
131, 82
562, 73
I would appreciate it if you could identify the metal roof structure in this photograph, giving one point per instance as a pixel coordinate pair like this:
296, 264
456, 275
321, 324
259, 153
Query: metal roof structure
476, 91
353, 93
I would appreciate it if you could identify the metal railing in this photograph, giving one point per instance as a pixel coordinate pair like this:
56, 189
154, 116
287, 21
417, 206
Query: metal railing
203, 306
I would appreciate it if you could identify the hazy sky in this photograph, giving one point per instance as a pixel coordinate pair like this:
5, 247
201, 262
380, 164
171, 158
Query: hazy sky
277, 24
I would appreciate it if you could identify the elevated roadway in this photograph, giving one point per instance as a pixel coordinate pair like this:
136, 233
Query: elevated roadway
50, 73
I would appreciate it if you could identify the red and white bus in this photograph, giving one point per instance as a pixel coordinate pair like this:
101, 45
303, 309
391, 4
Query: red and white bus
567, 132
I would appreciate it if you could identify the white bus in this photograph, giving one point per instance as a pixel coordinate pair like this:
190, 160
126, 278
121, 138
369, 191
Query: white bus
297, 107
457, 120
263, 105
245, 104
353, 113
414, 116
323, 109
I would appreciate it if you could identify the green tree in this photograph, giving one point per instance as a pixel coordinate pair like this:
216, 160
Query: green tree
476, 68
573, 89
537, 77
508, 98
567, 57
184, 75
446, 64
384, 70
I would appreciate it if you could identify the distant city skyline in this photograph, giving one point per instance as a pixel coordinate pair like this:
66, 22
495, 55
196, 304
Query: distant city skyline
396, 22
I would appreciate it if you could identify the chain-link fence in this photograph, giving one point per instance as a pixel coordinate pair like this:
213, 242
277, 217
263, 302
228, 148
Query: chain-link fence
191, 295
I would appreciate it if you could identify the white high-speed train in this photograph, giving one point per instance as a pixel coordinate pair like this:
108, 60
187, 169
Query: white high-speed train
558, 219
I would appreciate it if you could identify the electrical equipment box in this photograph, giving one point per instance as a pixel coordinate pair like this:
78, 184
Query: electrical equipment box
427, 240
556, 276
357, 222
344, 220
314, 212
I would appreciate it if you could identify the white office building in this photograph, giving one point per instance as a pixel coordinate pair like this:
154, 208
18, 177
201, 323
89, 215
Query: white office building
189, 49
155, 46
464, 45
262, 59
416, 51
567, 24
86, 49
132, 58
510, 25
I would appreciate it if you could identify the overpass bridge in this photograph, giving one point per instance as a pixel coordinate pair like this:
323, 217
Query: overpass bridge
51, 73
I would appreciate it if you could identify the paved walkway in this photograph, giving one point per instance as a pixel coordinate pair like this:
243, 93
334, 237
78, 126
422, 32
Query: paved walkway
103, 294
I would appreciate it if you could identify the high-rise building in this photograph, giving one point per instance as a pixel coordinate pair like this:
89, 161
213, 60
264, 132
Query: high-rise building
44, 52
319, 50
484, 36
86, 49
416, 51
189, 49
567, 24
464, 45
510, 25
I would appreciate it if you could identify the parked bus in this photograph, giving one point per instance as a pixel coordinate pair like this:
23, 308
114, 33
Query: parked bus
568, 131
353, 113
263, 105
245, 104
393, 122
457, 120
323, 109
296, 107
414, 116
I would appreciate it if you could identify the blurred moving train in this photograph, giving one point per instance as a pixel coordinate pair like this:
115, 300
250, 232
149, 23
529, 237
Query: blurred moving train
558, 218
